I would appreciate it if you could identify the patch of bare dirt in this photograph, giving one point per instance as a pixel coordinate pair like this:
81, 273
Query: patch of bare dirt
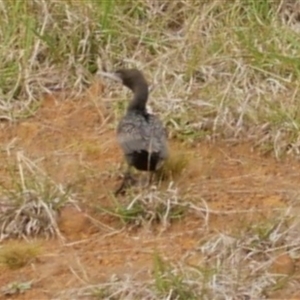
72, 141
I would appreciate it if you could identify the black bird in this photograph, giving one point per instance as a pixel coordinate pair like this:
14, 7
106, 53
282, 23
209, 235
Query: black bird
140, 134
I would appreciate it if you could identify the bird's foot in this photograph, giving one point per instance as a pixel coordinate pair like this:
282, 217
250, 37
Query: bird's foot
127, 182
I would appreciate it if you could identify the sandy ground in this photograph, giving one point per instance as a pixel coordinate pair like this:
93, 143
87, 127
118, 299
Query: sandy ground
73, 141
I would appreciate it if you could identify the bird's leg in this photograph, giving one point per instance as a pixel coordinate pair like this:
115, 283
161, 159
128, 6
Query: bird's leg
151, 175
127, 182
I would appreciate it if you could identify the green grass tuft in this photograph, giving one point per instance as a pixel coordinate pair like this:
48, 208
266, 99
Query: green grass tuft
15, 255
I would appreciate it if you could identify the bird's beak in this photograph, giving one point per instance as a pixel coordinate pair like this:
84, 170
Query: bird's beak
113, 76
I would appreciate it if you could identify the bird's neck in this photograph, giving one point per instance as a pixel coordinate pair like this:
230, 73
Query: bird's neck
140, 97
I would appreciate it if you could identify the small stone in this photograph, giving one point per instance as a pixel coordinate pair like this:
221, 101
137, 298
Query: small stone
73, 223
283, 264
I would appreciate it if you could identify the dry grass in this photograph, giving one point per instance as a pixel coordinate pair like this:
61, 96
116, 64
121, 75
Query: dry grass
224, 266
241, 265
15, 288
30, 203
212, 77
148, 206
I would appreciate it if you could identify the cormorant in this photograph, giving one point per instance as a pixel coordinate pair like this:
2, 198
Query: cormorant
140, 134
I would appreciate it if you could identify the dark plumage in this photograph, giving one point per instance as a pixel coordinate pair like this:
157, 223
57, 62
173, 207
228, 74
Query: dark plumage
140, 134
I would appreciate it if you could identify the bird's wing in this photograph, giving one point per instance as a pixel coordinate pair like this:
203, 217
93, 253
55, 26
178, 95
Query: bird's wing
139, 134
